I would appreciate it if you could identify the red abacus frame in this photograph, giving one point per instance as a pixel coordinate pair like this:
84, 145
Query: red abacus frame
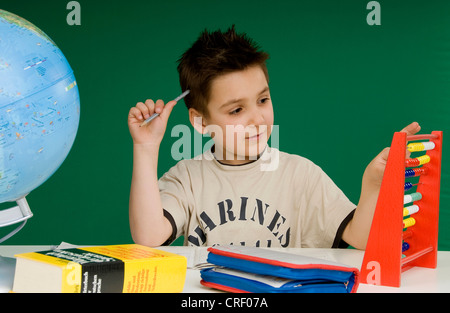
383, 262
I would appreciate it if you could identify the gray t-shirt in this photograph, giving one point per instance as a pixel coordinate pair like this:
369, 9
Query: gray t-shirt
279, 200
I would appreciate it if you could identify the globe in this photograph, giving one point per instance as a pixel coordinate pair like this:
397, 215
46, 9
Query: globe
39, 107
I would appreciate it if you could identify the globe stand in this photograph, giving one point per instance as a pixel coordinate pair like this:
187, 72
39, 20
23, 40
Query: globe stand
17, 214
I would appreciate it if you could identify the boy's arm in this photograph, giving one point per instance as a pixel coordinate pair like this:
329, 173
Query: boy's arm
357, 230
147, 222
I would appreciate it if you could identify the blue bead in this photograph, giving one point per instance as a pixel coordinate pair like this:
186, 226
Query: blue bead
405, 246
409, 173
408, 186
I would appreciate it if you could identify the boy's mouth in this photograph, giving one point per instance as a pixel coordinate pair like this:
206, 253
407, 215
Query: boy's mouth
255, 137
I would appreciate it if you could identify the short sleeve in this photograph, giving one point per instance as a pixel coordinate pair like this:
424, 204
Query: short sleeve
175, 193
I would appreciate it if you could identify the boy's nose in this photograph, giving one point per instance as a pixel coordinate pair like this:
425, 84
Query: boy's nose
256, 117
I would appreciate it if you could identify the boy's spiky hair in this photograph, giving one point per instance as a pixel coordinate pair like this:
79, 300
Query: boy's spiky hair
214, 54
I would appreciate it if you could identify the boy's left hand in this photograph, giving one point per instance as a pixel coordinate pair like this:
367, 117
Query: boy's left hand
375, 170
357, 231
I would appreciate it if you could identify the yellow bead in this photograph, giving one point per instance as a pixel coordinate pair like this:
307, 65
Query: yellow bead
416, 146
409, 222
423, 159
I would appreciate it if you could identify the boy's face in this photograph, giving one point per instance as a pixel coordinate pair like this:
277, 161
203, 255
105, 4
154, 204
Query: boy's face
240, 115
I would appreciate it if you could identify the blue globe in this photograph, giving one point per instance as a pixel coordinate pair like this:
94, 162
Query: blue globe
39, 107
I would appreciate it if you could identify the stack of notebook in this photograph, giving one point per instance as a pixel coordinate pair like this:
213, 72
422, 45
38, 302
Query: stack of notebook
250, 269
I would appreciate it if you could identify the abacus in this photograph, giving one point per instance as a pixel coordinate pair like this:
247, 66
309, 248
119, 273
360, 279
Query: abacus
404, 231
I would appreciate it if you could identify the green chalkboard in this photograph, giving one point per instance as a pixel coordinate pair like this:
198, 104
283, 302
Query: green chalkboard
342, 81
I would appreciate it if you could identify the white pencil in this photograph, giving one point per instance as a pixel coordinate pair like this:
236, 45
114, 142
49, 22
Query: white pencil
184, 94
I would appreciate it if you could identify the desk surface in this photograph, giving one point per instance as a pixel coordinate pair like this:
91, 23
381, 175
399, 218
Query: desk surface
414, 280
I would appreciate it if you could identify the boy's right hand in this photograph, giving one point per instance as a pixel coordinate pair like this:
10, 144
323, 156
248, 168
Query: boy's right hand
153, 132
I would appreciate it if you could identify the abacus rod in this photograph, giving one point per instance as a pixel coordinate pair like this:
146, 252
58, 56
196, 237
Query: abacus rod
421, 137
416, 255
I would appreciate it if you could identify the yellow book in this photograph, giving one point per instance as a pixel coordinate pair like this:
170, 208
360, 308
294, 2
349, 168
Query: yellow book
101, 269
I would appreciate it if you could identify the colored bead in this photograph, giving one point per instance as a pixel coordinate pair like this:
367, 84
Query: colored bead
420, 146
412, 172
405, 246
408, 185
407, 234
411, 162
410, 221
416, 196
424, 159
409, 173
417, 161
412, 209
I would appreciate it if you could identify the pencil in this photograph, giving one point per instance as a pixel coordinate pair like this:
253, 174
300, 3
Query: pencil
184, 94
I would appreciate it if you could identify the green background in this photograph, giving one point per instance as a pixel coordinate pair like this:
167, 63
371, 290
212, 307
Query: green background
340, 89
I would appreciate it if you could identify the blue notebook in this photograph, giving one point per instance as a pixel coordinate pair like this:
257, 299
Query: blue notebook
251, 269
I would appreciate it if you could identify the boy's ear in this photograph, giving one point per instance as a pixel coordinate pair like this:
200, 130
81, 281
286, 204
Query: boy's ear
197, 121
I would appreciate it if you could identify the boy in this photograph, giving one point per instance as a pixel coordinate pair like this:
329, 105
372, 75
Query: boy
240, 192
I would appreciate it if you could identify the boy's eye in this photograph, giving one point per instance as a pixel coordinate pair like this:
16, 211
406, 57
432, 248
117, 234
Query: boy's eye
235, 111
264, 100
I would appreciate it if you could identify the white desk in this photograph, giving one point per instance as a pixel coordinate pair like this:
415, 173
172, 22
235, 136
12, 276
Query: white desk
414, 280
